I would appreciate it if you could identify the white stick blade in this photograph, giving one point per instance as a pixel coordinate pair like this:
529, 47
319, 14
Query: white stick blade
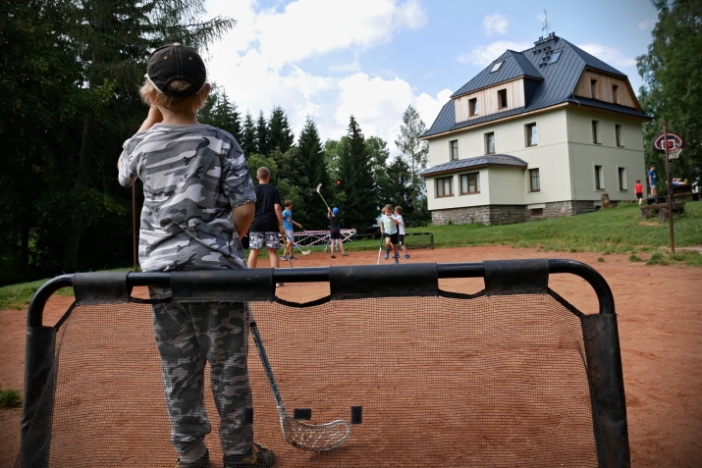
315, 437
319, 186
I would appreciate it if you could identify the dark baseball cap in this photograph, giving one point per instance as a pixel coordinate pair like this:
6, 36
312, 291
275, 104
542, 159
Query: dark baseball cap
176, 62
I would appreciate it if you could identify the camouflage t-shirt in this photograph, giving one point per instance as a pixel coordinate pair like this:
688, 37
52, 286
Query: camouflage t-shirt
193, 175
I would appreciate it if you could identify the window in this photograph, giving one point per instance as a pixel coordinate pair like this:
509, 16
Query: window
502, 98
536, 212
496, 66
622, 178
534, 180
490, 143
444, 187
555, 56
593, 89
470, 183
532, 135
595, 128
473, 107
615, 94
454, 150
599, 178
618, 134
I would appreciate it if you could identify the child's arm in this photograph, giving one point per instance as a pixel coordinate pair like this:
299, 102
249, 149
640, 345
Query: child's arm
152, 118
242, 216
155, 116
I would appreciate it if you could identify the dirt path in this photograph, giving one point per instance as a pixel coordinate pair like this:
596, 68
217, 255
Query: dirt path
660, 325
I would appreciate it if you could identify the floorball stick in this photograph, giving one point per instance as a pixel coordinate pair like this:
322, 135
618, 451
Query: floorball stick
380, 249
314, 437
304, 252
320, 194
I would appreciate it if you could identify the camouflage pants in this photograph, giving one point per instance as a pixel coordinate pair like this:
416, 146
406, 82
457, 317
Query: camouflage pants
189, 335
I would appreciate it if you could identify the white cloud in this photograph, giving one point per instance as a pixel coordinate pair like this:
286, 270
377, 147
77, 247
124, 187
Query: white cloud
646, 25
483, 56
495, 24
261, 63
609, 55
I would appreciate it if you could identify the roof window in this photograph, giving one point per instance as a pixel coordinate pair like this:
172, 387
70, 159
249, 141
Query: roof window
496, 66
555, 56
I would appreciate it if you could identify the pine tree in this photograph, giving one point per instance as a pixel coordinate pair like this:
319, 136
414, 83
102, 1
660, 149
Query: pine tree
262, 139
356, 181
311, 158
279, 134
249, 143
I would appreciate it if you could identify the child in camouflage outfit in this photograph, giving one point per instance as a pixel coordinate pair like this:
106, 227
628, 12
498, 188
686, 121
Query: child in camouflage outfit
198, 203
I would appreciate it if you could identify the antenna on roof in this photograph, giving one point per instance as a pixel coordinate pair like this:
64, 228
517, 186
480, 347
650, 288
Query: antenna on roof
547, 26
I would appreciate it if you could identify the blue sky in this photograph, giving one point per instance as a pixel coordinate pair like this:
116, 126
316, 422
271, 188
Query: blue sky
330, 59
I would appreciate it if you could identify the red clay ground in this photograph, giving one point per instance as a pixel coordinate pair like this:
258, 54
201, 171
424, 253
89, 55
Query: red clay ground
660, 325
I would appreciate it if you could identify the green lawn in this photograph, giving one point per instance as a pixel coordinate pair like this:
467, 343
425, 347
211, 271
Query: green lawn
616, 230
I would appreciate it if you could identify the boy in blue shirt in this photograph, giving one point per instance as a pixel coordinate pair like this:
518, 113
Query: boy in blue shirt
288, 227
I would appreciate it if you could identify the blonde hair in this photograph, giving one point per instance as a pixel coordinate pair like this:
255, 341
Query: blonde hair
388, 207
179, 105
263, 173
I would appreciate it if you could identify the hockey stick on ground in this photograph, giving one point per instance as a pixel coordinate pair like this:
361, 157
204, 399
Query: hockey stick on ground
320, 194
314, 437
304, 252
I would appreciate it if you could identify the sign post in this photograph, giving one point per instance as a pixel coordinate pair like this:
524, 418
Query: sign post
665, 143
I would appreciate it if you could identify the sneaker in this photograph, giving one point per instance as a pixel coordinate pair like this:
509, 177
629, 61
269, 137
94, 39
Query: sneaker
333, 256
292, 257
284, 257
396, 260
203, 462
259, 456
396, 256
344, 254
406, 256
387, 254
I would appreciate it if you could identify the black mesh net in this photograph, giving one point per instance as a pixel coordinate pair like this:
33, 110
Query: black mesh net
443, 380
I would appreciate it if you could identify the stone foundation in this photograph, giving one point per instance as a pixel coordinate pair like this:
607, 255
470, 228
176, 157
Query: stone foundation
510, 214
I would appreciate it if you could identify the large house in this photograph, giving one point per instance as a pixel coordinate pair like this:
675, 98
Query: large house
541, 133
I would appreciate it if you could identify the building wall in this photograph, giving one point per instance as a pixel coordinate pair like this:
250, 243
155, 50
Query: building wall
584, 155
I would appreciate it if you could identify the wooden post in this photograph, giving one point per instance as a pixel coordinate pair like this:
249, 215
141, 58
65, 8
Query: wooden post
670, 189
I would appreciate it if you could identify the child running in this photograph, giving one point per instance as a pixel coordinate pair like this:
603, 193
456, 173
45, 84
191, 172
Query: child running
288, 226
388, 228
401, 231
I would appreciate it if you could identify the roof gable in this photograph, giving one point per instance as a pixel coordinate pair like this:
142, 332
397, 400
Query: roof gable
550, 82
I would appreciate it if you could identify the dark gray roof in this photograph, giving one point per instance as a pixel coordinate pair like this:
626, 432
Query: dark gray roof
546, 84
480, 161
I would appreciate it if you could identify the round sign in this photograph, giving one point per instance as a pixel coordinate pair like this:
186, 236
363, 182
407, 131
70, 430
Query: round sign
669, 140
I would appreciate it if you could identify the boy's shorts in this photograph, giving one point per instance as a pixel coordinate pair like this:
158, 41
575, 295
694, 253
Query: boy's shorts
639, 195
400, 239
393, 237
271, 240
289, 236
335, 234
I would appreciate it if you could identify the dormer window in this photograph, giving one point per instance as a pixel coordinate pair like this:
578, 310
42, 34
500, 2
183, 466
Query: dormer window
496, 66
